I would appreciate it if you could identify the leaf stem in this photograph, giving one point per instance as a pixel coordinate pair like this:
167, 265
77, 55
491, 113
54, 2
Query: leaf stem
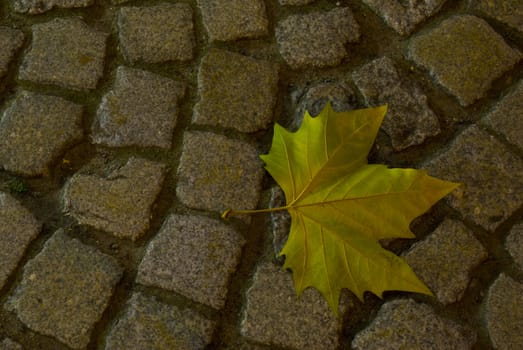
231, 212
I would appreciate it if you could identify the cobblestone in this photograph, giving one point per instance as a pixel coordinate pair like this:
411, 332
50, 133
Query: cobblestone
150, 324
475, 159
317, 39
10, 41
406, 324
194, 256
8, 344
227, 20
295, 2
157, 33
504, 307
34, 131
409, 119
140, 110
465, 55
65, 52
119, 203
514, 244
34, 7
444, 260
235, 91
217, 173
65, 290
18, 227
509, 12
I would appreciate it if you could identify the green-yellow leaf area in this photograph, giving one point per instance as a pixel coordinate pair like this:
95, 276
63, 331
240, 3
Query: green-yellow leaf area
341, 206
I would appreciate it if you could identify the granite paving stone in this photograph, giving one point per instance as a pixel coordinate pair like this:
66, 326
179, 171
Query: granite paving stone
193, 256
217, 173
35, 129
158, 33
11, 40
9, 344
492, 188
504, 313
150, 324
409, 120
406, 324
295, 2
465, 55
120, 202
507, 116
445, 258
275, 316
140, 110
227, 20
65, 52
403, 16
34, 7
514, 244
235, 91
65, 290
316, 39
18, 227
509, 12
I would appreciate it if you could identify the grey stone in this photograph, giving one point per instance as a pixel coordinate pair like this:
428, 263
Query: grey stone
227, 20
235, 91
507, 116
194, 256
65, 290
157, 33
406, 324
120, 202
445, 258
65, 52
140, 110
280, 221
8, 344
492, 188
404, 15
465, 55
409, 119
295, 2
34, 7
35, 129
509, 12
217, 173
150, 324
18, 228
514, 244
10, 41
317, 39
504, 308
275, 315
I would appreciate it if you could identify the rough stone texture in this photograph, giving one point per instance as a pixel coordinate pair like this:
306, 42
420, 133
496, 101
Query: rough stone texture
507, 116
514, 244
464, 54
150, 324
120, 202
194, 256
234, 19
217, 173
65, 290
65, 52
404, 15
295, 2
10, 41
505, 313
509, 12
280, 222
140, 110
444, 260
317, 39
18, 228
409, 119
235, 91
157, 34
275, 316
35, 129
406, 324
8, 344
34, 7
491, 176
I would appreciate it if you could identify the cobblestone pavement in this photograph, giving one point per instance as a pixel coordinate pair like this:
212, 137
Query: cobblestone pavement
127, 126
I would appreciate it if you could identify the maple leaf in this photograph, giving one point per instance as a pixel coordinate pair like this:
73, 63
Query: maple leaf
341, 206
